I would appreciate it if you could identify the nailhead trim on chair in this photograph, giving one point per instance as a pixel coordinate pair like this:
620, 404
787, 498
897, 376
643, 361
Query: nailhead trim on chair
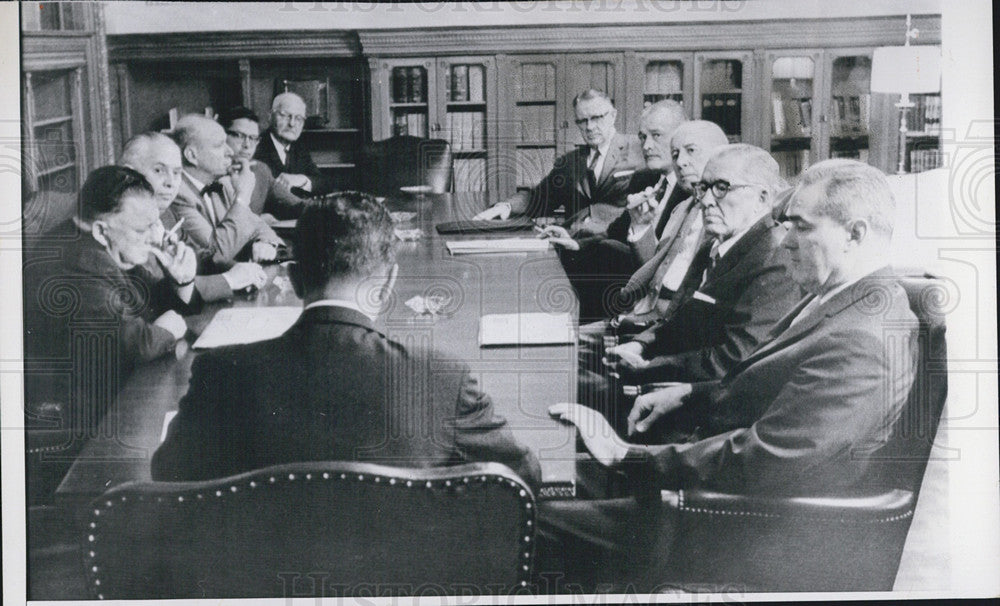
523, 496
760, 514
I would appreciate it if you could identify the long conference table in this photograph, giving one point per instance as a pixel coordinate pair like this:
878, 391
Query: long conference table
522, 380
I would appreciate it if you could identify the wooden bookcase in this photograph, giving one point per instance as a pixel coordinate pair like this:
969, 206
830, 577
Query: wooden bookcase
191, 72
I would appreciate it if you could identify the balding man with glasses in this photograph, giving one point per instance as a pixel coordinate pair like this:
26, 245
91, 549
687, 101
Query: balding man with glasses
590, 182
281, 151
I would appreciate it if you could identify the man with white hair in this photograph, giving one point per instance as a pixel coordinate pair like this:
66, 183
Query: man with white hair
806, 413
158, 158
215, 203
281, 151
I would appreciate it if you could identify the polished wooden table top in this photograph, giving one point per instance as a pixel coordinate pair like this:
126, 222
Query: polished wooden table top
523, 381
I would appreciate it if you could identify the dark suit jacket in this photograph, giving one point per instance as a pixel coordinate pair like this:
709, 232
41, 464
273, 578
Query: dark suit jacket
272, 197
803, 412
566, 185
88, 323
752, 289
237, 225
298, 161
332, 388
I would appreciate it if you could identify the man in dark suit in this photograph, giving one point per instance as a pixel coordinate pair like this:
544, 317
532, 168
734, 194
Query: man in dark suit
214, 202
158, 158
588, 182
334, 387
736, 288
270, 196
282, 152
805, 413
95, 308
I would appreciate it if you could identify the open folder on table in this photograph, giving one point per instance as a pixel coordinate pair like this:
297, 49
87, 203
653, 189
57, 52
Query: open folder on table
236, 325
503, 245
526, 329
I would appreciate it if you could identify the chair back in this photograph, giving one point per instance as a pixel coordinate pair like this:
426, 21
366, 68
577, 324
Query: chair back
387, 165
832, 543
314, 529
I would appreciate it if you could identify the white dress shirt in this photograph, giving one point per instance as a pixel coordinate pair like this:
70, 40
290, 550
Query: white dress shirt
600, 161
281, 148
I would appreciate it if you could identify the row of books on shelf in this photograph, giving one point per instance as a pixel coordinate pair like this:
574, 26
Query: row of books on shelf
925, 159
470, 174
649, 99
409, 85
851, 113
414, 124
466, 131
536, 82
722, 74
465, 83
792, 116
537, 122
925, 115
663, 78
725, 109
860, 154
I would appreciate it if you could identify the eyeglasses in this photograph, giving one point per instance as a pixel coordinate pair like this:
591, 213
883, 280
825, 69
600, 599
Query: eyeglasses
719, 188
244, 137
588, 120
290, 117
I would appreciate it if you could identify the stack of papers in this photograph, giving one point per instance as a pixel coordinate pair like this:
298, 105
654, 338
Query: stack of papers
237, 325
506, 245
526, 329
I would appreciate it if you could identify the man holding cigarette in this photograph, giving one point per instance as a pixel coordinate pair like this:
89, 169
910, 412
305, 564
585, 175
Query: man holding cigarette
214, 202
158, 158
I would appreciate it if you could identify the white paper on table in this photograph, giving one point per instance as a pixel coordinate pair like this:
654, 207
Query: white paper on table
237, 325
503, 245
526, 329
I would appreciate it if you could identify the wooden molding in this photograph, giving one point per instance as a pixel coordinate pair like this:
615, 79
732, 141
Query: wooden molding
770, 34
233, 45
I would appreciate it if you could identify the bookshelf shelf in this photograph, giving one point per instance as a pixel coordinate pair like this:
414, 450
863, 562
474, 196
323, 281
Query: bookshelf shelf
331, 131
470, 152
527, 102
408, 105
535, 144
467, 104
336, 165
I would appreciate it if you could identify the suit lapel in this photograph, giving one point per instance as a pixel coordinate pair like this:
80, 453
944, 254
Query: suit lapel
612, 159
677, 196
734, 255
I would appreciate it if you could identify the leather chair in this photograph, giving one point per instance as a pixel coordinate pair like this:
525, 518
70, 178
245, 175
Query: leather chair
385, 166
313, 529
731, 542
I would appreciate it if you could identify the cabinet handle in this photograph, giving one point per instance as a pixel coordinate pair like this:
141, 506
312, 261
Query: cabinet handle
437, 127
565, 124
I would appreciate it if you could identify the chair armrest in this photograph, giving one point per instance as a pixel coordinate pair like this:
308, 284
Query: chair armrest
871, 508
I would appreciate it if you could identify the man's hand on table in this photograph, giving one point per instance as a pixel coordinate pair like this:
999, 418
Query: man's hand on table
650, 407
560, 237
500, 210
245, 275
629, 355
603, 443
263, 251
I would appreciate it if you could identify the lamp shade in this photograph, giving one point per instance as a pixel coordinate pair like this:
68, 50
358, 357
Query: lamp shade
906, 69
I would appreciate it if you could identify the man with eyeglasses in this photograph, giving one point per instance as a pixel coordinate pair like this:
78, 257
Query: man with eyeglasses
280, 150
272, 199
590, 182
736, 287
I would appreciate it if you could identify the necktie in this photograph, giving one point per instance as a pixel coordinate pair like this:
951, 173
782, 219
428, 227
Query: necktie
591, 175
210, 193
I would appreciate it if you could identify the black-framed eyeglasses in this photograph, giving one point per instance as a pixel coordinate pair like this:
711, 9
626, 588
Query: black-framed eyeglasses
719, 188
589, 119
243, 136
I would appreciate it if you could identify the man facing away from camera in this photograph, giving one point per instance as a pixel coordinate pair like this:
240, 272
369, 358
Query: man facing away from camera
333, 387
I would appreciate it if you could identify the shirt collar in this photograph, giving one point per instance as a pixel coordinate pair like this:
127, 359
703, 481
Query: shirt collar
278, 144
198, 185
603, 149
831, 293
719, 249
339, 303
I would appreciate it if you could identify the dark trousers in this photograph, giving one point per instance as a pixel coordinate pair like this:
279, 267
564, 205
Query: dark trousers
598, 271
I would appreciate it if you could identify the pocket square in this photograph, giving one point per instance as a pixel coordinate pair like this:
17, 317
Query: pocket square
623, 173
700, 296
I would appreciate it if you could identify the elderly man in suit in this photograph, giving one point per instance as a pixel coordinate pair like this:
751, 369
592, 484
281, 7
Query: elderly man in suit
214, 203
333, 386
737, 286
158, 158
282, 152
806, 412
96, 307
589, 182
271, 198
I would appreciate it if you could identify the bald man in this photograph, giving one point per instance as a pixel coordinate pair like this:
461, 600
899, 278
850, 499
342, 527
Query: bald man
282, 152
158, 158
214, 204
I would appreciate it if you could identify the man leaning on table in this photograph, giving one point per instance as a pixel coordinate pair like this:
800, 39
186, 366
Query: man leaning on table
214, 202
795, 417
589, 182
158, 158
333, 387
